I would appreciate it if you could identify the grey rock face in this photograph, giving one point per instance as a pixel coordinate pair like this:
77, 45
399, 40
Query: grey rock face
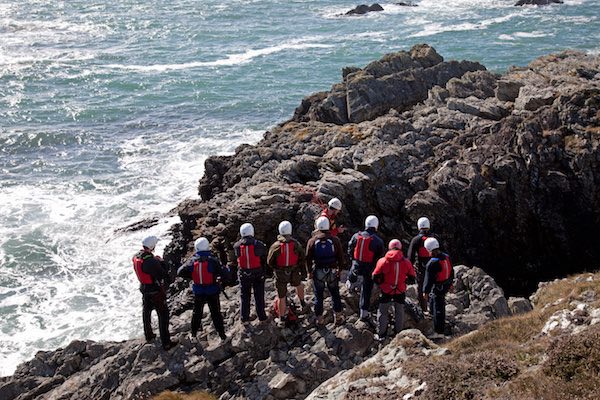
397, 81
363, 9
519, 305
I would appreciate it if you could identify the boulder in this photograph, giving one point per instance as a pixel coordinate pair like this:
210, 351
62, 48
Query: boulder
363, 9
519, 305
507, 90
397, 81
532, 98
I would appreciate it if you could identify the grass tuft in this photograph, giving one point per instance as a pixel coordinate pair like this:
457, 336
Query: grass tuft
169, 395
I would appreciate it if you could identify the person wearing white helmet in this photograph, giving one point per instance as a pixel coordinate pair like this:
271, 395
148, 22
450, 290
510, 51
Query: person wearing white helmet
334, 206
419, 256
153, 275
250, 254
392, 273
325, 258
286, 257
205, 271
439, 277
365, 248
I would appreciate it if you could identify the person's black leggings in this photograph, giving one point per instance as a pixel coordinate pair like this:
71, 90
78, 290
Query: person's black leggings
156, 301
215, 312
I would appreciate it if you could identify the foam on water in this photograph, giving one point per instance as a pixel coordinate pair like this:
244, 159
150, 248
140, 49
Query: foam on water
230, 60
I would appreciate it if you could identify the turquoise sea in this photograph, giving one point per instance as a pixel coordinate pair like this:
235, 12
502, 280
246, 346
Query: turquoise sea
108, 110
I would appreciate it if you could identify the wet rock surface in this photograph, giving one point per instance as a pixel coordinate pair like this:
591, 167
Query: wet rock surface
363, 9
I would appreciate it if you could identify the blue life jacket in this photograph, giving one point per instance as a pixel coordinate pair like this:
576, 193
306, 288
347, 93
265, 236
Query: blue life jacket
324, 251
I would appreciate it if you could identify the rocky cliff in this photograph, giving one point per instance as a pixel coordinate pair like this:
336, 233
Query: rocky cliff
505, 166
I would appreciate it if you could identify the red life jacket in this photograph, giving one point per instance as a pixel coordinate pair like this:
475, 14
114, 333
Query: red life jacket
445, 272
138, 260
247, 259
201, 275
287, 256
423, 253
362, 251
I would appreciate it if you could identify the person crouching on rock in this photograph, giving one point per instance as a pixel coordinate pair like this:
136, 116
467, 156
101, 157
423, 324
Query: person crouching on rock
286, 257
153, 275
392, 273
334, 206
365, 248
325, 258
419, 256
205, 271
439, 277
251, 272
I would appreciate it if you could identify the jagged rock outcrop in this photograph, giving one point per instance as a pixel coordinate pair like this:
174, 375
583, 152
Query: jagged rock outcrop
397, 81
549, 352
374, 377
363, 9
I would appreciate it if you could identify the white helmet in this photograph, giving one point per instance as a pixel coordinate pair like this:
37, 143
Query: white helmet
201, 244
371, 222
285, 228
322, 224
423, 223
395, 244
246, 230
335, 203
431, 244
150, 242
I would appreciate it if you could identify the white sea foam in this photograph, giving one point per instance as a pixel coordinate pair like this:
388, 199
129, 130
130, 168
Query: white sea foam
569, 19
83, 287
230, 60
534, 34
525, 35
45, 27
436, 28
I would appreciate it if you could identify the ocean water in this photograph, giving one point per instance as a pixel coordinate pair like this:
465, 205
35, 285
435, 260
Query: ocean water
109, 109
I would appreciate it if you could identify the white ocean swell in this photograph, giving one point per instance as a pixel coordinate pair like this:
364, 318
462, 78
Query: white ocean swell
230, 60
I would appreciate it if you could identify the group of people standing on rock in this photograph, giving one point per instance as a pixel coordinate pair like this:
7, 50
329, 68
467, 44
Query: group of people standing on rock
321, 261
